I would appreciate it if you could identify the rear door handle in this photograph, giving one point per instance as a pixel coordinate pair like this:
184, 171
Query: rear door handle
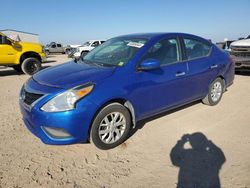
213, 66
178, 74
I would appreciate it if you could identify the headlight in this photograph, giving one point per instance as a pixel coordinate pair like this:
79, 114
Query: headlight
67, 100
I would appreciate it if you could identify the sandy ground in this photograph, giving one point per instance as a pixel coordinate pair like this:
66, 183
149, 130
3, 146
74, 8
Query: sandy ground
142, 161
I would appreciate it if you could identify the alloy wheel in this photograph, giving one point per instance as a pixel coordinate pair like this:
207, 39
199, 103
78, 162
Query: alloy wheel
216, 91
112, 127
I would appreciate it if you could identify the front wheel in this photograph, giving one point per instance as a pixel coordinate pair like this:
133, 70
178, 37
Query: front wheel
31, 65
84, 53
215, 92
111, 126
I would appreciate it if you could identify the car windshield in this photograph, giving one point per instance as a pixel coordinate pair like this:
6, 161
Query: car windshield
115, 52
248, 37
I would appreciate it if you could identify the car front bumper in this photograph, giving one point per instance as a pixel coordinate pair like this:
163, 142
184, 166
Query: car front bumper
64, 127
242, 63
59, 128
43, 57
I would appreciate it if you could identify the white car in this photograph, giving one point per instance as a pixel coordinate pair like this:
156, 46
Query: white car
241, 51
86, 47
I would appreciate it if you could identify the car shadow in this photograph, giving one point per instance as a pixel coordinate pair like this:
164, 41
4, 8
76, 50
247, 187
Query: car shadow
45, 67
49, 61
199, 161
142, 123
9, 72
51, 56
245, 72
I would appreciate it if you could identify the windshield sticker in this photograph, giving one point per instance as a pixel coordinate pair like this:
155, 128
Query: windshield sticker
135, 44
120, 63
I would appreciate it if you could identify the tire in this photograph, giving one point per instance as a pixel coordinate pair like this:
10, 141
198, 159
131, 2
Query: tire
104, 134
17, 68
31, 65
83, 53
215, 92
67, 51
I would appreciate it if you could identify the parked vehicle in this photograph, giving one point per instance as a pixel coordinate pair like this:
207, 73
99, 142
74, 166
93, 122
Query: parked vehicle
22, 56
104, 94
241, 51
71, 49
86, 47
54, 47
225, 45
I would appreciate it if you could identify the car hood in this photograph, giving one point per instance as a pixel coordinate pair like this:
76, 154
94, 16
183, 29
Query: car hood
71, 74
29, 46
244, 42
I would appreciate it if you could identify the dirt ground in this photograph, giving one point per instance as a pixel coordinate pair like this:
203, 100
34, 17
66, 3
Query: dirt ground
145, 160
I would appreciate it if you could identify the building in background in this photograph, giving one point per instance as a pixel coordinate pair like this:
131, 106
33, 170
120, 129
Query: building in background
21, 35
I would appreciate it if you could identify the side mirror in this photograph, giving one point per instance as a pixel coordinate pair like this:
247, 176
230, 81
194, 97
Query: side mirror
149, 64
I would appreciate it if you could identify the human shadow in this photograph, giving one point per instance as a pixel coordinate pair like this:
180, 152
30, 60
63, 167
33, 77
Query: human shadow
199, 160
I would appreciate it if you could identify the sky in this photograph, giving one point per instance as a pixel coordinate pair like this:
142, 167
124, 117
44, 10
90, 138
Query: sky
76, 21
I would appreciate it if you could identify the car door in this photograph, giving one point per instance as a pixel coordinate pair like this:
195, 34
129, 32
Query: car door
201, 69
53, 48
59, 48
7, 51
162, 88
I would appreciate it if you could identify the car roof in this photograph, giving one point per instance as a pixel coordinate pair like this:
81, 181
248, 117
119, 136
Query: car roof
160, 35
95, 40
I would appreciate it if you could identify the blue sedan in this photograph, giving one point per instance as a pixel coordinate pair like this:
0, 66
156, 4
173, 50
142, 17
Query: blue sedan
101, 96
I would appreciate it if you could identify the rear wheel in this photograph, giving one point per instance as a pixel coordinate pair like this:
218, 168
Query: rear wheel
111, 126
215, 92
31, 65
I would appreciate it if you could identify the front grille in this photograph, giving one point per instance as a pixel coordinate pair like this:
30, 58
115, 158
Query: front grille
237, 47
240, 49
240, 54
29, 98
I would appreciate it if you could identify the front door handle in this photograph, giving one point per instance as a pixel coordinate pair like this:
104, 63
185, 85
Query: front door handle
180, 74
213, 66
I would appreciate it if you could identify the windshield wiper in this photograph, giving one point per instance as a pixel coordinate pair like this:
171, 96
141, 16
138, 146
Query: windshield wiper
92, 63
100, 64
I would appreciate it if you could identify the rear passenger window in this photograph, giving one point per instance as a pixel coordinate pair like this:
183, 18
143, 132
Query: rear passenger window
196, 49
59, 45
166, 51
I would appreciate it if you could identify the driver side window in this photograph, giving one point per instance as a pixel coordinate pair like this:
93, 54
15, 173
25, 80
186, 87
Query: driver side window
1, 39
166, 51
4, 40
95, 44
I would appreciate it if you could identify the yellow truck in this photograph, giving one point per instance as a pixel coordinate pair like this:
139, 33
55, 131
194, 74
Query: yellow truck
22, 56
